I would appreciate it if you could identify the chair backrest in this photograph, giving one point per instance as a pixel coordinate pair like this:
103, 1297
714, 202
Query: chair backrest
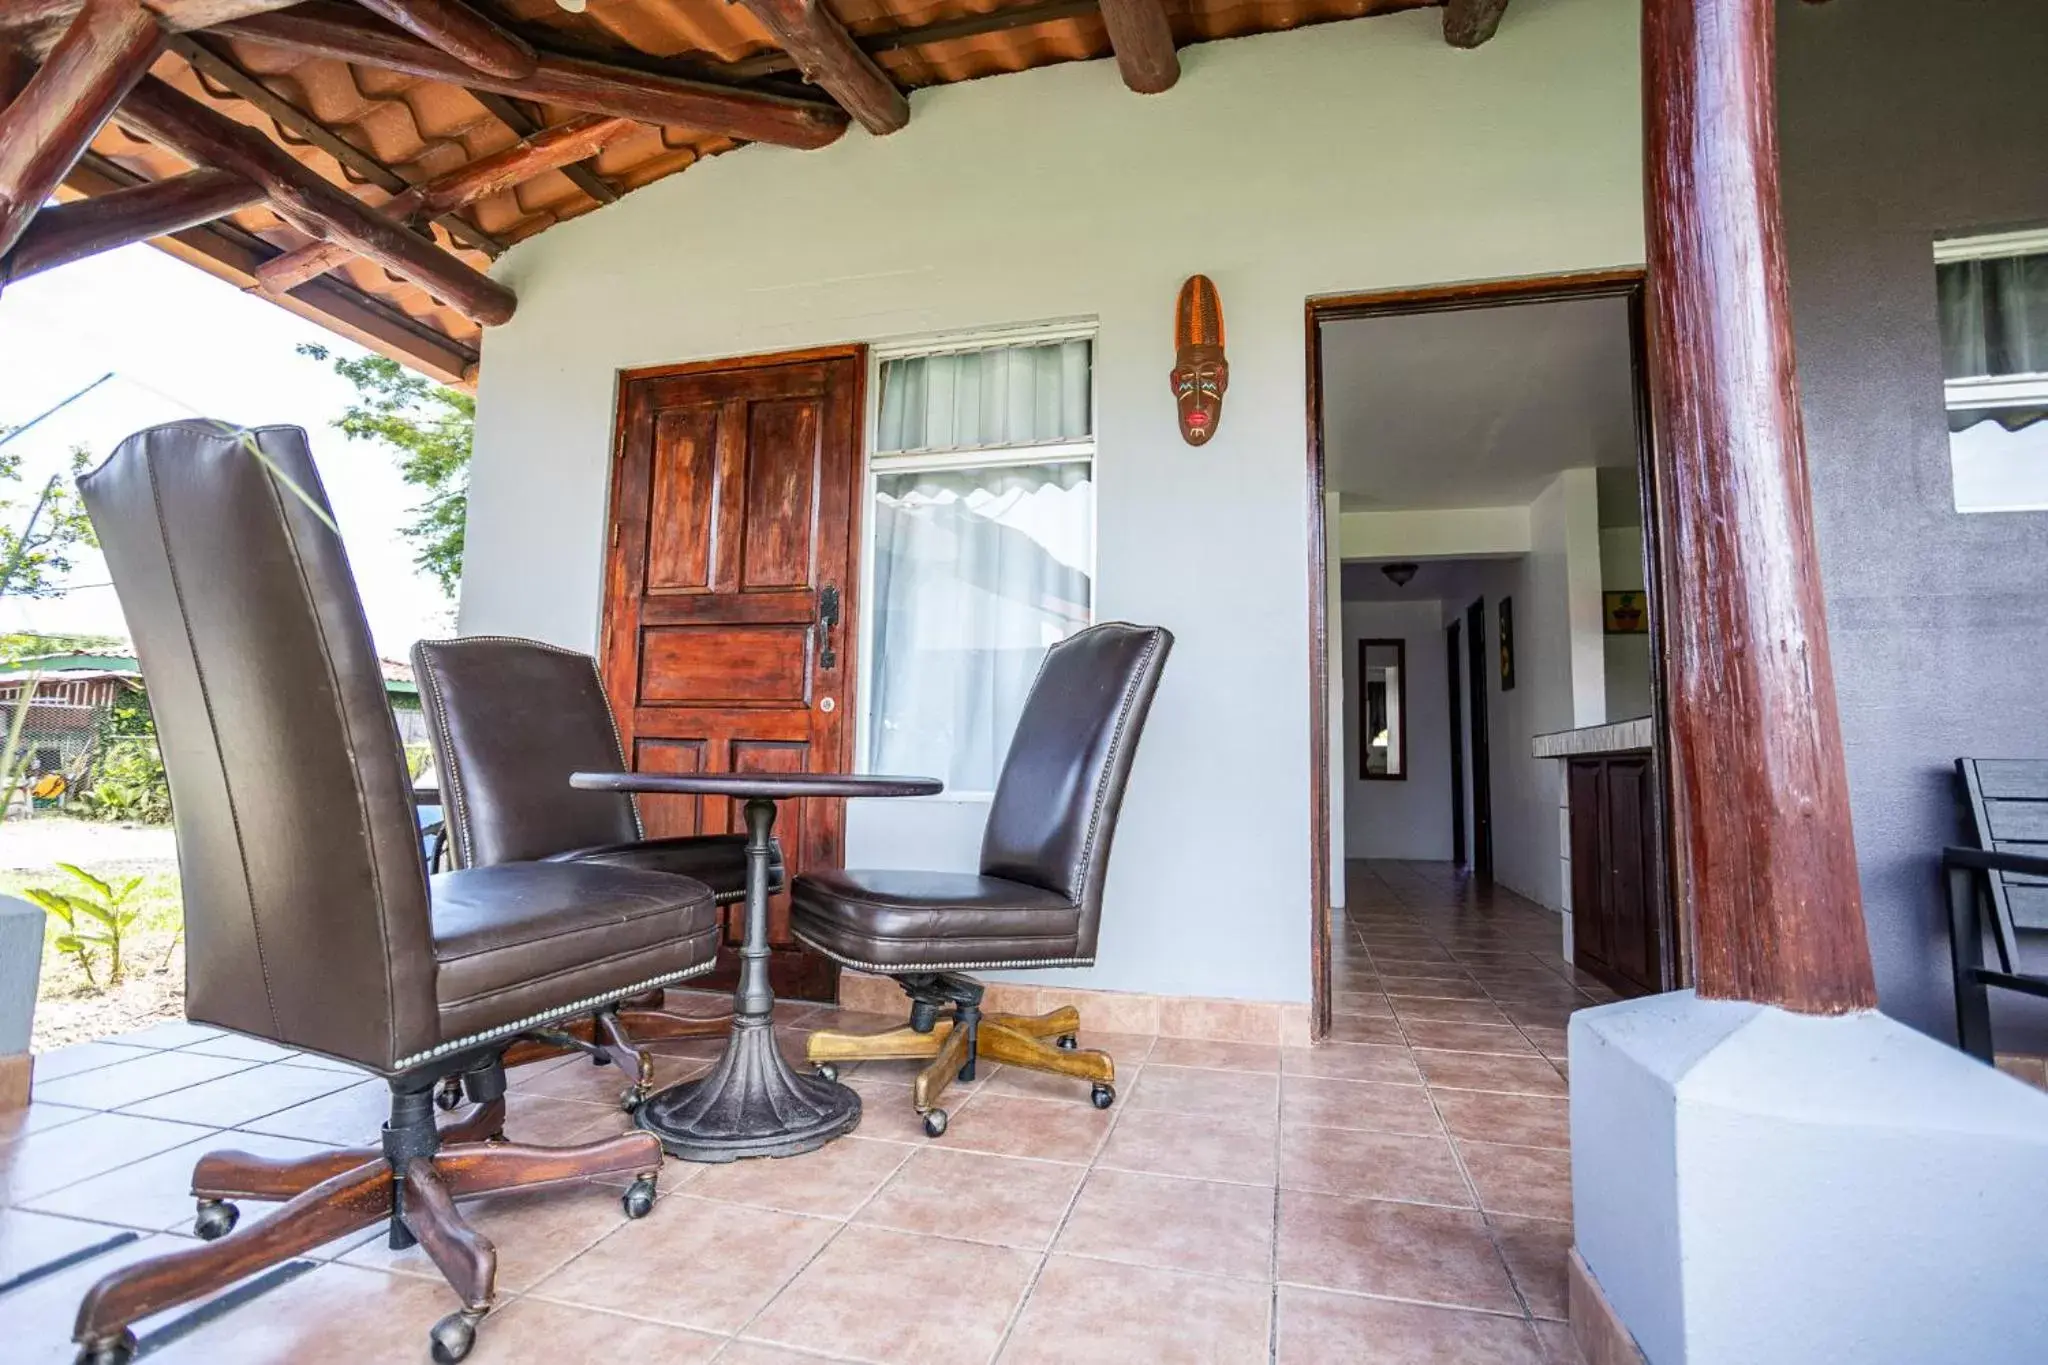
1062, 783
2008, 800
306, 901
509, 720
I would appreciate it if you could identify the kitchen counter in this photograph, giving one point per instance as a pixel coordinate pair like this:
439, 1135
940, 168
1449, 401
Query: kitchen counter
1616, 737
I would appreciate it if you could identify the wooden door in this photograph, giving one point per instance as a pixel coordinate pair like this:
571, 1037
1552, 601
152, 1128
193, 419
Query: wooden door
1455, 666
1482, 751
1592, 916
729, 600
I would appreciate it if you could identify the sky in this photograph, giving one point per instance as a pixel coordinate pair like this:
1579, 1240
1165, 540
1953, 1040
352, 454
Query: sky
180, 344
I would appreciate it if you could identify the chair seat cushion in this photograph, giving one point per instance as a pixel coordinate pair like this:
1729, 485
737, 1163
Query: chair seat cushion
717, 860
932, 920
519, 940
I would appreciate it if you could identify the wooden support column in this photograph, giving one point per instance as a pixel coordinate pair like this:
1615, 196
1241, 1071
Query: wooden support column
1468, 23
1143, 42
309, 203
101, 56
829, 59
70, 232
1766, 860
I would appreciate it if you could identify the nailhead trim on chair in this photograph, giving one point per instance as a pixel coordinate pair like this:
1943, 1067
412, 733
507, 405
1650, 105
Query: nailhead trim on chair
534, 1021
883, 970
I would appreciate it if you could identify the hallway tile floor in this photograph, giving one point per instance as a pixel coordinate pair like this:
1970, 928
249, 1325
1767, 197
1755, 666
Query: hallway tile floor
1398, 1194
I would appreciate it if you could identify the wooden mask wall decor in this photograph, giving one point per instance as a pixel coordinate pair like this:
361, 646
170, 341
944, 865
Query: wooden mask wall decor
1200, 373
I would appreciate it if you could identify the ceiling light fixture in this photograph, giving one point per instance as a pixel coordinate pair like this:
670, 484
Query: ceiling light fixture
1398, 574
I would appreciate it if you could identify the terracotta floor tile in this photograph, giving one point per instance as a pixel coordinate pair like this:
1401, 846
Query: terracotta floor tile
347, 1118
31, 1240
1372, 1165
1482, 1071
1319, 1102
1085, 1312
536, 1332
544, 1121
831, 1182
1405, 1251
1317, 1327
1005, 1200
536, 1232
890, 1296
1199, 1226
235, 1099
1535, 1182
1539, 1016
1211, 1094
692, 1262
1372, 1004
1010, 1125
1156, 1142
1044, 1085
1558, 1345
333, 1315
1457, 1011
1365, 1028
43, 1162
123, 1083
155, 1192
1218, 1056
739, 1352
1401, 993
887, 1113
1537, 1251
1524, 1120
69, 1061
1353, 1062
1454, 1037
37, 1117
243, 1047
170, 1033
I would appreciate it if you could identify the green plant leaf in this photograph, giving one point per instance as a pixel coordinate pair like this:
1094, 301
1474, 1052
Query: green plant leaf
53, 902
69, 943
95, 883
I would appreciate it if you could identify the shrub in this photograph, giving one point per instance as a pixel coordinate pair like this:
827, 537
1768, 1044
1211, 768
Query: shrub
132, 784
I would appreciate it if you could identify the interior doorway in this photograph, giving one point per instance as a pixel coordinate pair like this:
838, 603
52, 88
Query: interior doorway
1481, 487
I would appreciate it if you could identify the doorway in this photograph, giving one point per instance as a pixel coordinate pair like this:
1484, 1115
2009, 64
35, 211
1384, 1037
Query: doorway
731, 572
1462, 440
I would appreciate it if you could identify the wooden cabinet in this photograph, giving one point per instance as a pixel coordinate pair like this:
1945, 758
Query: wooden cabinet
1620, 910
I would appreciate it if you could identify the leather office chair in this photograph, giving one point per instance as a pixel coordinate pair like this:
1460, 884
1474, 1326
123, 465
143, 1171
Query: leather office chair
510, 720
310, 919
1037, 901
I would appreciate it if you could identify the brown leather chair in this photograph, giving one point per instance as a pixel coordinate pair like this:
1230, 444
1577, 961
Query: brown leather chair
310, 919
510, 720
1037, 901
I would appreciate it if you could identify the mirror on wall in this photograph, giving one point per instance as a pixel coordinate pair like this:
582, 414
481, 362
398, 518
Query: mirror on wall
1383, 709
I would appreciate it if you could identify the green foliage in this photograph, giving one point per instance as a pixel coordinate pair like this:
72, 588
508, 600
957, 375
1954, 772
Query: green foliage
417, 757
35, 559
96, 915
132, 785
431, 428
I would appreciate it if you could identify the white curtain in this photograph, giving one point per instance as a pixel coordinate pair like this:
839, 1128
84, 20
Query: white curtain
1994, 316
1015, 395
977, 573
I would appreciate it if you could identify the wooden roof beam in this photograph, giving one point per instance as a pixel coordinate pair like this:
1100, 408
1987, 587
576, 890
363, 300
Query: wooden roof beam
308, 202
829, 59
345, 33
1468, 23
36, 19
47, 127
63, 233
462, 33
1143, 42
488, 175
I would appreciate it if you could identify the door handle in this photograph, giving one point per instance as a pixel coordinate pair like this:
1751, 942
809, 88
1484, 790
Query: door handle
828, 619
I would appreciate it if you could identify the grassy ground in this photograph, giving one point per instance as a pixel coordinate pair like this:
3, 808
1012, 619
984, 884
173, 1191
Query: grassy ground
68, 1009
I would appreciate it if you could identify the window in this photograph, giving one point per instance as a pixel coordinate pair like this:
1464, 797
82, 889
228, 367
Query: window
982, 544
1994, 348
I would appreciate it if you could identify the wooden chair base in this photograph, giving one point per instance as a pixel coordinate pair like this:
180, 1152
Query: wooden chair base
336, 1193
1012, 1039
615, 1035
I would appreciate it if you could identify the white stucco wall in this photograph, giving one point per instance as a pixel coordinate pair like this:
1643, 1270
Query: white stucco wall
1347, 157
1410, 818
1628, 656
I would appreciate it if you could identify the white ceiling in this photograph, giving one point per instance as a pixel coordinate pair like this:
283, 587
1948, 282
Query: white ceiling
1476, 408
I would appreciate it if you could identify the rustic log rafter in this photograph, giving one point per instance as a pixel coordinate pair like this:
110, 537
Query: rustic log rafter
829, 58
947, 31
1468, 23
557, 146
107, 48
63, 233
525, 125
462, 33
310, 203
1143, 42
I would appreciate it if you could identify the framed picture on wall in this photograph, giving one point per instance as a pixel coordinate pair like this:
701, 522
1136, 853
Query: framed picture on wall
1507, 644
1625, 613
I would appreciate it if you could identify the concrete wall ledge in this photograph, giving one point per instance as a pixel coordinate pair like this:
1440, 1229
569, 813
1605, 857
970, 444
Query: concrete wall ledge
1756, 1187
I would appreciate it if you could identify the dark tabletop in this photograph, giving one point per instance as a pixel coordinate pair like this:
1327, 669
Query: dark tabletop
774, 786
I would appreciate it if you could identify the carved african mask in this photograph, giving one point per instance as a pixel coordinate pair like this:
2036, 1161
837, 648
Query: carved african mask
1200, 373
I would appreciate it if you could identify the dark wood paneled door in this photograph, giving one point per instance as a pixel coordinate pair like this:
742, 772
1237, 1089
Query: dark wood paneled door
729, 600
1478, 712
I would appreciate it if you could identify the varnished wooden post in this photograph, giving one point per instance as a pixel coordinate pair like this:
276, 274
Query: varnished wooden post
1766, 859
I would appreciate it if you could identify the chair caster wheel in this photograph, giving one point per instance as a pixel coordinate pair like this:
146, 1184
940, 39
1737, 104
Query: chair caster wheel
935, 1123
825, 1071
449, 1096
119, 1351
1102, 1096
215, 1220
1068, 1042
631, 1100
453, 1337
639, 1197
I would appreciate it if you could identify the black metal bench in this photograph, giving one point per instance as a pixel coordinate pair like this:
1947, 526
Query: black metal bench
2008, 874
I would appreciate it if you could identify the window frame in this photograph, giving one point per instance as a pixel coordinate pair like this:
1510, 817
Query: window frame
876, 463
1982, 392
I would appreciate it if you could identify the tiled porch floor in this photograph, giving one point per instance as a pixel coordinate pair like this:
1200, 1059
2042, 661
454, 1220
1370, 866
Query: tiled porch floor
1398, 1195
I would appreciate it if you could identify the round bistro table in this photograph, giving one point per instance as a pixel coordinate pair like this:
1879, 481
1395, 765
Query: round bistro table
752, 1103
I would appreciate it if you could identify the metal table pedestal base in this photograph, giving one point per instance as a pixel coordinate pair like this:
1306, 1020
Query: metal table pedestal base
751, 1104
